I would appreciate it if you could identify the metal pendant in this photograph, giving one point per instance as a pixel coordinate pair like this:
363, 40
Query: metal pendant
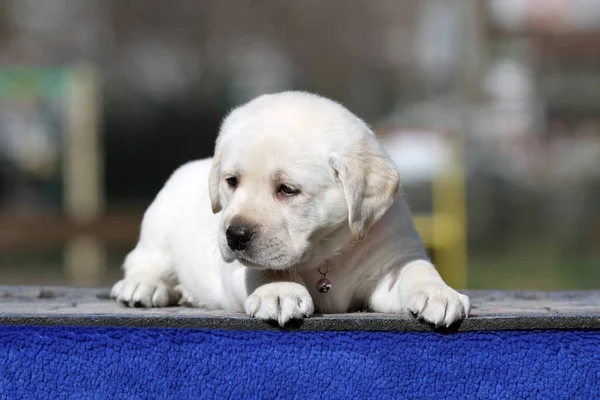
324, 284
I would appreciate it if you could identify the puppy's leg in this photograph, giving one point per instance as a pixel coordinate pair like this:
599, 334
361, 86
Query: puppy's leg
279, 300
149, 275
419, 289
148, 281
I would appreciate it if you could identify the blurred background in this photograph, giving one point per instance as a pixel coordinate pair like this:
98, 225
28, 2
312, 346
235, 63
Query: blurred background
491, 110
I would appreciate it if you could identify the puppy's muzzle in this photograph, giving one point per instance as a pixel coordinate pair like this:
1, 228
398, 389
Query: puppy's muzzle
238, 236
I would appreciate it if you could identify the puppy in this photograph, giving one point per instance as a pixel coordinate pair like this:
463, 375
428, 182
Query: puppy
300, 197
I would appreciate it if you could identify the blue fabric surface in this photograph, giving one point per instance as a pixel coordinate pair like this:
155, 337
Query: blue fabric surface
106, 363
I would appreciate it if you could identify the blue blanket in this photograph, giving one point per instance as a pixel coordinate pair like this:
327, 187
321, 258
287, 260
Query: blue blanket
126, 363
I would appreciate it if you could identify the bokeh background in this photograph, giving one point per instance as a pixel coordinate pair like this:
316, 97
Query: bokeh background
490, 108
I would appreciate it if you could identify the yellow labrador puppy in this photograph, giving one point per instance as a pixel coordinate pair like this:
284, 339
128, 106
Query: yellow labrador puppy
297, 211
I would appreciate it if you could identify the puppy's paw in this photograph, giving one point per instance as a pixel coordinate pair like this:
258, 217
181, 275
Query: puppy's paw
133, 293
437, 303
280, 301
186, 298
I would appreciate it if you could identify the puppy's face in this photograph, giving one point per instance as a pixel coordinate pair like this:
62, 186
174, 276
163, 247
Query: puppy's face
289, 189
279, 202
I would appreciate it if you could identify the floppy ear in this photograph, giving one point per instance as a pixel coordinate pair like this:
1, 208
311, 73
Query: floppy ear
370, 181
213, 182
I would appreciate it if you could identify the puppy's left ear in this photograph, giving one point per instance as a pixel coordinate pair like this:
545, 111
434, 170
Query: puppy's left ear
370, 181
213, 182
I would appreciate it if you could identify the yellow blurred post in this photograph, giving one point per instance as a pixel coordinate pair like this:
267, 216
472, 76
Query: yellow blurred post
449, 222
445, 229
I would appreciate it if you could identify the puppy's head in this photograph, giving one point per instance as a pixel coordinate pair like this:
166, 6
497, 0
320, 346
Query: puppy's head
296, 176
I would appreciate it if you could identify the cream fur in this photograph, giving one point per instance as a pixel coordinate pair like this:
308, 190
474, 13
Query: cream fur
347, 214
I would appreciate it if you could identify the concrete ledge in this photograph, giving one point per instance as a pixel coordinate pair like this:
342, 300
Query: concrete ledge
492, 310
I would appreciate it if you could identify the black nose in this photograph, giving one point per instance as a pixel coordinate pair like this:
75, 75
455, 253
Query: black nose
238, 236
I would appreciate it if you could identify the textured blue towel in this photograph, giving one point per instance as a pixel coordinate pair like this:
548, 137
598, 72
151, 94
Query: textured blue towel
106, 363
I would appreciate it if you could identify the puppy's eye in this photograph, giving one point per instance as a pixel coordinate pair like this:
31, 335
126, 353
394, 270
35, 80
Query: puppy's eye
232, 182
285, 190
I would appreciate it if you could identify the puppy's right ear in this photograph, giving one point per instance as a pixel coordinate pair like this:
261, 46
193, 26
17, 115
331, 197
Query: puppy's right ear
370, 181
213, 182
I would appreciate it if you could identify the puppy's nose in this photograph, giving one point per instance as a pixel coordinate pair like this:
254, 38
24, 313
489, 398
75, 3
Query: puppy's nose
238, 236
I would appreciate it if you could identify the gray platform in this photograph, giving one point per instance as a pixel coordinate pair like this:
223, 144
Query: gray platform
492, 310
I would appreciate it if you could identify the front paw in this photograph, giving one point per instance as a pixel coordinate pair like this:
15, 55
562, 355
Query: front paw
437, 303
133, 293
280, 301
